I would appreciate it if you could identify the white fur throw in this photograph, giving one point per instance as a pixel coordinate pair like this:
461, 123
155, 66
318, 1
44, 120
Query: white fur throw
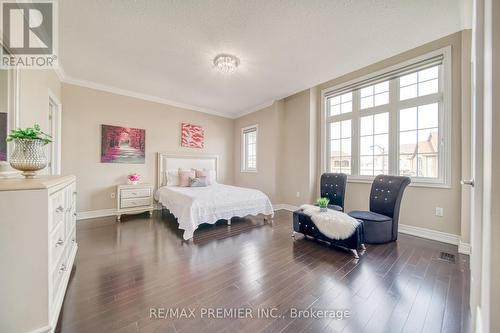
332, 223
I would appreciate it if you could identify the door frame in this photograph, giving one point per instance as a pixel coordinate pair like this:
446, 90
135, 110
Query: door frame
55, 122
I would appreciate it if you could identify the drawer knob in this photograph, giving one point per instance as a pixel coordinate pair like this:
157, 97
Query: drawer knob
74, 193
73, 240
60, 209
63, 268
74, 214
60, 242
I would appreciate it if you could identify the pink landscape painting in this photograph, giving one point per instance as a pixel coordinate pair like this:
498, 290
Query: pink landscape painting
122, 144
192, 136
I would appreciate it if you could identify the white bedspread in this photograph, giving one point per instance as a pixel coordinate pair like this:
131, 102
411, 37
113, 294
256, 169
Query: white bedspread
193, 206
332, 223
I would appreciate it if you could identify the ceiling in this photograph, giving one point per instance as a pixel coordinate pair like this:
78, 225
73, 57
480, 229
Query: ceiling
163, 49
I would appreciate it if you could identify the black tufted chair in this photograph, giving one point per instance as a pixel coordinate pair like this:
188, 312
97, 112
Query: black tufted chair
332, 186
381, 222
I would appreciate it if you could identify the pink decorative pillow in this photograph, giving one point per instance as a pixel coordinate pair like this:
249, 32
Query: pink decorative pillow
185, 176
200, 173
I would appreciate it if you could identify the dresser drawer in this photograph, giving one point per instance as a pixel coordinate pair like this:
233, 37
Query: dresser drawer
59, 271
57, 243
138, 202
57, 209
135, 193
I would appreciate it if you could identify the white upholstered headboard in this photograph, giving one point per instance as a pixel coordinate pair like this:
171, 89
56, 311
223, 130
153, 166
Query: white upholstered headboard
172, 161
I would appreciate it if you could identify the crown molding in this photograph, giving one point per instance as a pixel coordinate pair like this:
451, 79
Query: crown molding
145, 97
254, 109
61, 74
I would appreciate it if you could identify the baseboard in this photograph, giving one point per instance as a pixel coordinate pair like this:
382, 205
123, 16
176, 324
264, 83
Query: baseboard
439, 236
429, 234
287, 207
92, 214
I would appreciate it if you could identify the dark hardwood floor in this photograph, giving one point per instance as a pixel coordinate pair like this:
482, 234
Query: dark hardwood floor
123, 270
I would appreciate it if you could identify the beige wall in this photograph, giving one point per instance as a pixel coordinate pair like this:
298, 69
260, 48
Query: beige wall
84, 110
34, 87
298, 127
286, 151
300, 148
270, 123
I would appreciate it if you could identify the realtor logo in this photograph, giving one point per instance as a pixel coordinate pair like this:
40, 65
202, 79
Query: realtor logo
28, 34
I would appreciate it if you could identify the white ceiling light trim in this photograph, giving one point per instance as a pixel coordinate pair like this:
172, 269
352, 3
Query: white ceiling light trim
226, 63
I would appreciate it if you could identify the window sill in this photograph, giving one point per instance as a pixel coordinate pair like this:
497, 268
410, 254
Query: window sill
412, 184
248, 171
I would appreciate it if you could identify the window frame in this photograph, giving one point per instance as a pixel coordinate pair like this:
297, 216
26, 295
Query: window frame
443, 97
244, 157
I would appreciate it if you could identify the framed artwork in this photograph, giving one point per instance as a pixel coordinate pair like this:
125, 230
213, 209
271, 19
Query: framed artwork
122, 145
192, 136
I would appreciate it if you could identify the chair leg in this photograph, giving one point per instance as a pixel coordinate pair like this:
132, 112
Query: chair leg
293, 235
355, 252
229, 222
363, 246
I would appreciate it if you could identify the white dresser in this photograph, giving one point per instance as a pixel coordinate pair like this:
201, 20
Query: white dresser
134, 199
37, 250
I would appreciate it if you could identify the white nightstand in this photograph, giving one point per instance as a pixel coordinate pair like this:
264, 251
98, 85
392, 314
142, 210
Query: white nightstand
134, 199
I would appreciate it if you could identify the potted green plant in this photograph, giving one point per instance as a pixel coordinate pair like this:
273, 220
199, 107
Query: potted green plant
28, 155
323, 204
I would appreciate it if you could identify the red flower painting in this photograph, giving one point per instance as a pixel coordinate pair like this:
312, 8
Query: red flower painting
122, 145
192, 136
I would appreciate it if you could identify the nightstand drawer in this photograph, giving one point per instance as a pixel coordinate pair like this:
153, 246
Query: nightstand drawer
138, 202
136, 193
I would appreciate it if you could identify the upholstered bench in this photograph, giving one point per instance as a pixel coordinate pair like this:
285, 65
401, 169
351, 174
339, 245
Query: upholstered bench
303, 224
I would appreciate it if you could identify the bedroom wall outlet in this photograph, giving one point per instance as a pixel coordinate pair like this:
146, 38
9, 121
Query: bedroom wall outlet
439, 211
297, 194
113, 195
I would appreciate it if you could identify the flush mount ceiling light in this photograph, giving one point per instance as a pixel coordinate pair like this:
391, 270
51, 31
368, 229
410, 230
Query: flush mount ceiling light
226, 63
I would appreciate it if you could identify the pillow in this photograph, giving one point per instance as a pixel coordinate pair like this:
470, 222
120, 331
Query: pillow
200, 173
198, 182
172, 177
184, 176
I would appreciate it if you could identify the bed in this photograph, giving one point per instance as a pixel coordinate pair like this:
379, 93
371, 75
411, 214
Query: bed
193, 206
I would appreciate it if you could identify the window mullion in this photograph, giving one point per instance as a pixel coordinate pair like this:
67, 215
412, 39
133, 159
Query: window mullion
328, 149
394, 127
355, 123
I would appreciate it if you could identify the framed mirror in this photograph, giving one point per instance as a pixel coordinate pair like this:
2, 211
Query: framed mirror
9, 115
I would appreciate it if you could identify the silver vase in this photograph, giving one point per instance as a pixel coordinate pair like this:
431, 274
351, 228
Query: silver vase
28, 156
